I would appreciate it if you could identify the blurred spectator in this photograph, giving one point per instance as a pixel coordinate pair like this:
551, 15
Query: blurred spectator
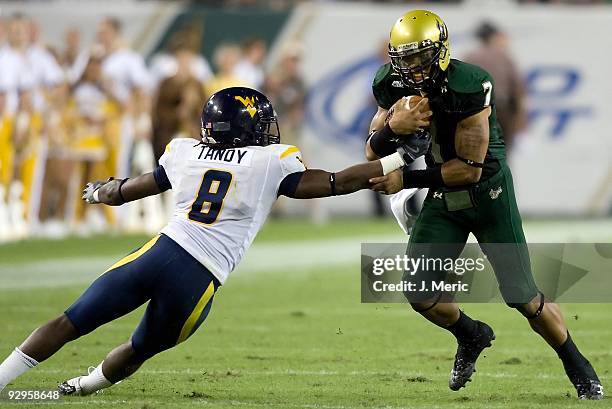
225, 58
93, 120
129, 81
287, 90
122, 66
179, 101
494, 56
47, 73
14, 70
250, 69
165, 65
29, 73
91, 93
46, 67
6, 143
72, 48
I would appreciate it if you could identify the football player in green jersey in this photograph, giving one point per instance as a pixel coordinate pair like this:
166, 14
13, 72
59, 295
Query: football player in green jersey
470, 189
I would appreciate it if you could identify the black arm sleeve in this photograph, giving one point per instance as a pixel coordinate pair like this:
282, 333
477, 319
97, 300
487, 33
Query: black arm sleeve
381, 141
430, 177
161, 178
289, 184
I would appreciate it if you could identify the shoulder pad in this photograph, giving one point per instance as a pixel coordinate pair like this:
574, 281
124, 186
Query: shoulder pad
382, 86
466, 78
177, 142
383, 72
282, 150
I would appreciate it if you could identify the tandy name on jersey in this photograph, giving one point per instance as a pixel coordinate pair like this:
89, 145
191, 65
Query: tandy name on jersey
235, 156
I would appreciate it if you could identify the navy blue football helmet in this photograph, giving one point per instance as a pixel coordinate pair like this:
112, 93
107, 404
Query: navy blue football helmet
239, 116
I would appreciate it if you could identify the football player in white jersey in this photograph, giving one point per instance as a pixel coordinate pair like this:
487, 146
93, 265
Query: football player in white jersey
224, 187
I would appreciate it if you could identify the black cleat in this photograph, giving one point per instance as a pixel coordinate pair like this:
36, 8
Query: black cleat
468, 351
585, 380
67, 389
587, 384
71, 387
592, 390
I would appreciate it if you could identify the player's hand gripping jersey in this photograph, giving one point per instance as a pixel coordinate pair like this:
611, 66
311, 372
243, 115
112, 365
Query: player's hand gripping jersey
223, 196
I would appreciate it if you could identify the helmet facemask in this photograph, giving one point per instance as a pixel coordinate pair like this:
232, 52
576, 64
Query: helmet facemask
418, 65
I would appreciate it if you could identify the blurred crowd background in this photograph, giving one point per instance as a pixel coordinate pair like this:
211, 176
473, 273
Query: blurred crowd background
76, 113
77, 110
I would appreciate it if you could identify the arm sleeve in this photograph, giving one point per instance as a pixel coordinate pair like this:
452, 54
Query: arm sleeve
159, 173
289, 184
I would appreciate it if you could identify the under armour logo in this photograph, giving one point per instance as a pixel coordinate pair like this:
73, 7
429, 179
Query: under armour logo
437, 195
494, 194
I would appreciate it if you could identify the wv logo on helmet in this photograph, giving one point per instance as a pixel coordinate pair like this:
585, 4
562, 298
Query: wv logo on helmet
249, 103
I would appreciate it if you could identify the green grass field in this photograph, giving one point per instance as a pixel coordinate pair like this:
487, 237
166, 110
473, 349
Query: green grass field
288, 331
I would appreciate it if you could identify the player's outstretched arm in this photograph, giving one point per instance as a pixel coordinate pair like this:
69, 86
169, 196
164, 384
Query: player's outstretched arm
116, 192
315, 183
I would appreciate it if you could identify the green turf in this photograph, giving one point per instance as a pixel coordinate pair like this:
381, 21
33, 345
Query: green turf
301, 339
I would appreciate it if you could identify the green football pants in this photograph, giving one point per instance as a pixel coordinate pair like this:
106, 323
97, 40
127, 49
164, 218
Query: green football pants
489, 211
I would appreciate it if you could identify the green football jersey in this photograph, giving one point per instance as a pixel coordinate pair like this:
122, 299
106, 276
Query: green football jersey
467, 90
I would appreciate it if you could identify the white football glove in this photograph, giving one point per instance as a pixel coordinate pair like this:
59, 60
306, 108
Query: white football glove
90, 192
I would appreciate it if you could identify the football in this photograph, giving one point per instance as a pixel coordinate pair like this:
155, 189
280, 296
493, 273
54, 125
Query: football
413, 100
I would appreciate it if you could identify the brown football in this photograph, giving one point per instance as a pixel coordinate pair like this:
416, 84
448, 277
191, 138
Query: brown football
413, 101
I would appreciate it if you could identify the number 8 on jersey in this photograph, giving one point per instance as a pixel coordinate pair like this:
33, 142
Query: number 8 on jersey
209, 202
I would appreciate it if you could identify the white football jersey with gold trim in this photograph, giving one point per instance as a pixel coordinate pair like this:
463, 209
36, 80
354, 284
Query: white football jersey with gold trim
222, 197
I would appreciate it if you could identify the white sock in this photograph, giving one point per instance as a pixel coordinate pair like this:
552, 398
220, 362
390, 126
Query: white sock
94, 381
15, 365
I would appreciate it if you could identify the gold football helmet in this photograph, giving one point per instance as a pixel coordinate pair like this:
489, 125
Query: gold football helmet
419, 48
